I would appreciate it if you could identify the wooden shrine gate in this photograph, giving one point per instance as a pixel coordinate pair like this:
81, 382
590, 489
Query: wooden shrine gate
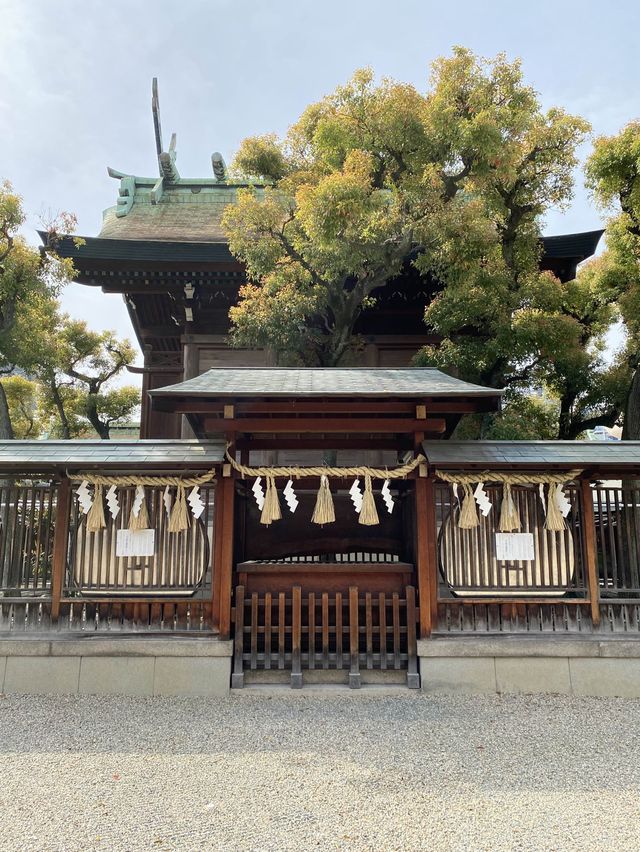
281, 624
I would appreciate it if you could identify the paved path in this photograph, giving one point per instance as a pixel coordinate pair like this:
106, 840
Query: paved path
300, 771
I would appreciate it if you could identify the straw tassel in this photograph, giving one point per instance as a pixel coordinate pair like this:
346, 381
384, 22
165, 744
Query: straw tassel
368, 512
179, 517
468, 514
95, 516
271, 508
554, 520
141, 520
509, 515
324, 512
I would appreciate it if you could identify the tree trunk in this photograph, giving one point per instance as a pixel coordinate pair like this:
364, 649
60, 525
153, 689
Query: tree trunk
6, 428
94, 418
65, 431
631, 427
564, 422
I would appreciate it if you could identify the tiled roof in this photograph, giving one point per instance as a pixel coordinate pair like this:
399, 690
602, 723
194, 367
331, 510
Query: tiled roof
310, 382
573, 246
533, 454
139, 454
98, 248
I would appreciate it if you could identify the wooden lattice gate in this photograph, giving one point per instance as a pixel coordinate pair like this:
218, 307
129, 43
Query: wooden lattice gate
295, 631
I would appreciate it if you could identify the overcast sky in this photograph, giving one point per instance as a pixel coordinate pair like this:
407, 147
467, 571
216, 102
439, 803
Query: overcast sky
75, 83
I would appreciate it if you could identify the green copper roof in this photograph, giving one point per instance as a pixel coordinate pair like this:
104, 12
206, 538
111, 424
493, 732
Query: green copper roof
187, 211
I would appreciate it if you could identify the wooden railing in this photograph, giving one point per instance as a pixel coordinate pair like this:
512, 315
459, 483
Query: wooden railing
27, 523
295, 632
617, 522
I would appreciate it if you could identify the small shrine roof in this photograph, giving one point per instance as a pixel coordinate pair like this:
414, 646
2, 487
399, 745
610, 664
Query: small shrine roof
539, 455
287, 382
124, 454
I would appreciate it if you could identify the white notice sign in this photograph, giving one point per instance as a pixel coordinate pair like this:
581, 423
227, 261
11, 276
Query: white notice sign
135, 542
511, 547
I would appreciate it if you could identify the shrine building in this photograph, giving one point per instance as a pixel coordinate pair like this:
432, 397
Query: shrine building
299, 525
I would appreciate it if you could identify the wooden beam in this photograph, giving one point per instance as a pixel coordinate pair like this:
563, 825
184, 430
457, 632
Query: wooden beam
60, 542
205, 405
322, 425
293, 443
590, 548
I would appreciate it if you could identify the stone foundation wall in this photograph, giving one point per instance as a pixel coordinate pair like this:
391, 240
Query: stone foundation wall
119, 666
508, 664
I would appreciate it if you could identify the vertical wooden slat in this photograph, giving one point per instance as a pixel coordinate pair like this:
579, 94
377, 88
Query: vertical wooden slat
396, 630
382, 619
325, 630
267, 630
354, 639
339, 631
589, 533
311, 618
254, 631
60, 539
281, 629
368, 620
237, 678
296, 637
413, 678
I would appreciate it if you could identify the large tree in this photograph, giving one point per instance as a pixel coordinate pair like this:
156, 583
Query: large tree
77, 372
29, 279
613, 174
373, 175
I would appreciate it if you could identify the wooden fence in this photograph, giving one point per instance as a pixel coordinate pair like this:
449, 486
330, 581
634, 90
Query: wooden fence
27, 523
291, 631
55, 576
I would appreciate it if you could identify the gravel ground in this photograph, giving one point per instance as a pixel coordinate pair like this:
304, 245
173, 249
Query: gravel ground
298, 771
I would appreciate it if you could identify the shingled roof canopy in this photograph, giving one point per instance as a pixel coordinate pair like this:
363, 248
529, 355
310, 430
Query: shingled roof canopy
156, 455
151, 236
418, 382
605, 456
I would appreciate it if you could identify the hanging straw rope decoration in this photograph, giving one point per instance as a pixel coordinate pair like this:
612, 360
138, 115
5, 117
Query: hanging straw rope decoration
179, 517
368, 513
509, 516
271, 508
324, 513
554, 520
383, 473
95, 517
141, 520
468, 513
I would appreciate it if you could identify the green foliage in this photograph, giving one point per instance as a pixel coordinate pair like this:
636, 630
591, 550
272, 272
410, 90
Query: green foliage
613, 175
23, 398
375, 173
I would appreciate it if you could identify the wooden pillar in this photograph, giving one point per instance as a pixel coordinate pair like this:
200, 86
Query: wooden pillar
590, 548
426, 554
60, 543
225, 564
218, 524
